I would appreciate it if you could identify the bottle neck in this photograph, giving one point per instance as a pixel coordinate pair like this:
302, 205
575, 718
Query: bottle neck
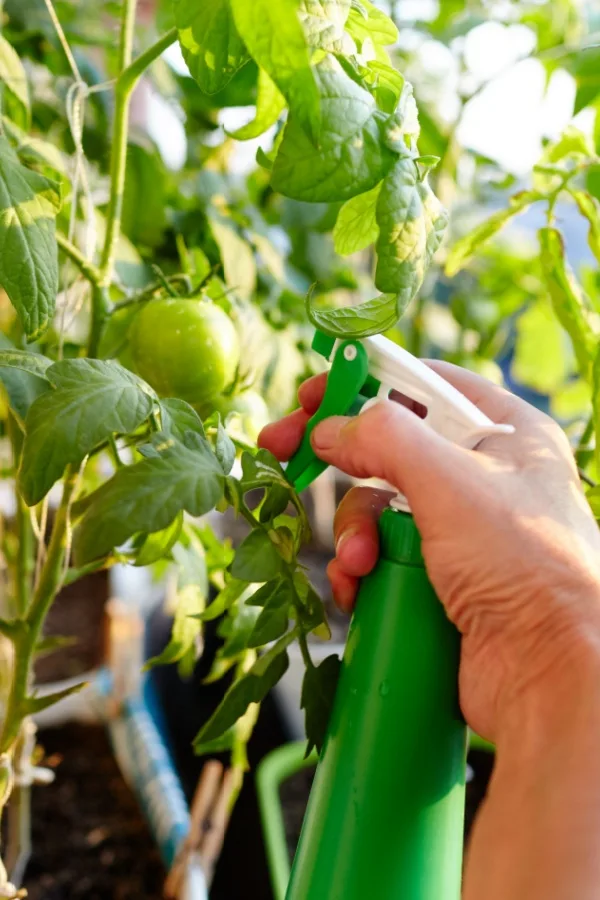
400, 539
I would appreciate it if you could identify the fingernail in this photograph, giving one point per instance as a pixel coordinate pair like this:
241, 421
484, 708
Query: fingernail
343, 537
326, 433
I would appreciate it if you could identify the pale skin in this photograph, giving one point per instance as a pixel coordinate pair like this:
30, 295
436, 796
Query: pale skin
514, 555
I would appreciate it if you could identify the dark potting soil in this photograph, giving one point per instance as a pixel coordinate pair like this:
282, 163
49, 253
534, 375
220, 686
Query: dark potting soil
77, 613
90, 841
295, 790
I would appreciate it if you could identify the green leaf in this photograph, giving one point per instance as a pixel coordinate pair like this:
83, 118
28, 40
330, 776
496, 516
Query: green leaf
178, 417
224, 600
593, 498
351, 157
28, 255
210, 43
596, 402
92, 400
373, 317
148, 495
356, 226
276, 502
585, 67
411, 224
144, 199
318, 694
34, 363
187, 627
33, 705
21, 387
376, 26
589, 207
265, 593
270, 103
261, 470
257, 559
538, 327
274, 37
389, 84
464, 248
570, 304
237, 628
272, 621
323, 22
238, 260
250, 688
13, 82
159, 544
224, 449
45, 158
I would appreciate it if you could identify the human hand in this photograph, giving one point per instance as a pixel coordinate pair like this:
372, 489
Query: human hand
509, 541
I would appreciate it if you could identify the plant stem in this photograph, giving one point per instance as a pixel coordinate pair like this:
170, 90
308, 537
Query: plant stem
25, 547
127, 80
583, 454
25, 642
87, 268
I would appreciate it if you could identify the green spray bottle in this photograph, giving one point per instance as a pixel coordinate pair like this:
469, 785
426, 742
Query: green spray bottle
385, 815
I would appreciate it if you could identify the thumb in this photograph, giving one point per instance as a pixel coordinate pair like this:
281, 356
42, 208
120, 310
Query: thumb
390, 442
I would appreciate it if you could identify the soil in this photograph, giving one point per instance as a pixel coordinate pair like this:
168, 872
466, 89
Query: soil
77, 613
89, 838
295, 790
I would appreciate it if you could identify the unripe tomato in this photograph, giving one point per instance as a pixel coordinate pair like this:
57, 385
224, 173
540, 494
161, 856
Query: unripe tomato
249, 413
185, 348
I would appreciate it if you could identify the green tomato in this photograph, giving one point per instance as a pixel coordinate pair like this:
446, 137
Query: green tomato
249, 413
185, 348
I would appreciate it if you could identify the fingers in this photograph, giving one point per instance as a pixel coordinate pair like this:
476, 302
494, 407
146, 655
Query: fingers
355, 529
344, 587
310, 392
390, 442
283, 438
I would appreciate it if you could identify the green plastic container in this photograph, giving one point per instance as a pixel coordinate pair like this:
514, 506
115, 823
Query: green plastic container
386, 812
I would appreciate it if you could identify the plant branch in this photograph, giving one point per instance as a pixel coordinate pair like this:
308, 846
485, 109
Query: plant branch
25, 641
87, 268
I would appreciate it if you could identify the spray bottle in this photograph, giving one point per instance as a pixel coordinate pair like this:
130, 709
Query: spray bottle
385, 815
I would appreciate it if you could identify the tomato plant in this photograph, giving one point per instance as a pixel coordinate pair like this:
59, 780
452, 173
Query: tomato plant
143, 304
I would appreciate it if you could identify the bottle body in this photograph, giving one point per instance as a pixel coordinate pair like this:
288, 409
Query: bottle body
385, 816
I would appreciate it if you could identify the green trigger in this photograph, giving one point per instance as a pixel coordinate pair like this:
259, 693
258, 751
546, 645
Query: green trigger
348, 374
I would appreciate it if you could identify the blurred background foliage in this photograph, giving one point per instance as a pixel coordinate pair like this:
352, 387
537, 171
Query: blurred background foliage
509, 99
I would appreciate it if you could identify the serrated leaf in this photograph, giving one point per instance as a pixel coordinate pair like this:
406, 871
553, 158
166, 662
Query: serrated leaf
375, 26
372, 317
318, 695
257, 559
148, 495
270, 103
351, 157
15, 99
159, 544
274, 37
34, 363
178, 417
589, 207
34, 705
323, 22
210, 43
465, 247
28, 254
92, 400
250, 688
356, 226
238, 260
411, 223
